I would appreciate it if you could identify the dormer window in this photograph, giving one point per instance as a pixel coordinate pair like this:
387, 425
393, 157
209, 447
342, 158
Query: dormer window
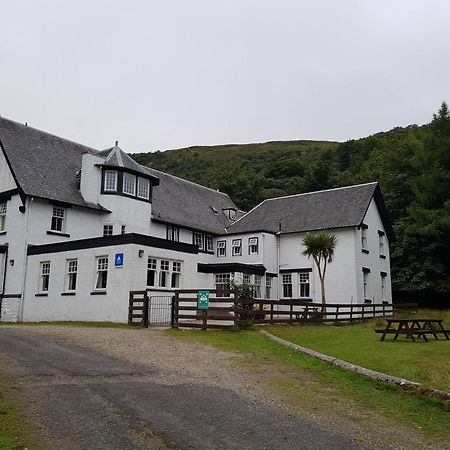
143, 189
58, 217
110, 180
129, 184
2, 216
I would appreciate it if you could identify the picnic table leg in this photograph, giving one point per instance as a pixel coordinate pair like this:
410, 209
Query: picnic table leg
385, 331
428, 324
443, 330
399, 328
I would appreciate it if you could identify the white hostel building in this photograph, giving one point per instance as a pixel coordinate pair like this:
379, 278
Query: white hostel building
81, 228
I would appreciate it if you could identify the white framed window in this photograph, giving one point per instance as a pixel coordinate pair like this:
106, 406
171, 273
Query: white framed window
164, 273
236, 247
129, 184
110, 181
164, 270
304, 285
364, 237
258, 282
58, 216
287, 285
365, 284
44, 279
268, 286
172, 233
222, 282
198, 239
101, 279
221, 248
123, 229
2, 216
209, 243
72, 273
253, 246
381, 243
383, 276
246, 278
108, 230
143, 190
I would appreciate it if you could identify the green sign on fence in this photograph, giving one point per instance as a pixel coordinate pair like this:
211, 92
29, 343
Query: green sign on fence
203, 300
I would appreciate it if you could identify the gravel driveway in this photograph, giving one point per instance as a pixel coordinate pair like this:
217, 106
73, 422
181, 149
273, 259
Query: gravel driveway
91, 388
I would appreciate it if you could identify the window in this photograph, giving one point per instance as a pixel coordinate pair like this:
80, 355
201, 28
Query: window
45, 276
108, 230
57, 219
246, 278
364, 237
198, 240
164, 273
102, 272
129, 184
209, 243
151, 271
72, 270
172, 233
287, 285
258, 280
366, 283
383, 285
110, 181
381, 242
176, 274
123, 229
236, 247
268, 286
2, 216
253, 246
304, 285
223, 282
143, 190
221, 248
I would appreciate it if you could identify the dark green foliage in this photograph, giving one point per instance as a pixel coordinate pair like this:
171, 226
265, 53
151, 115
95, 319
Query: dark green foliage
411, 164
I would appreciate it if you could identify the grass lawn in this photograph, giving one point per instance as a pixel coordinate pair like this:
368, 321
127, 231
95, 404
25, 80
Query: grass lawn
426, 363
327, 387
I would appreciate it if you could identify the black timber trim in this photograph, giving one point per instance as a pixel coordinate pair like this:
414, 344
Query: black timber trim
381, 233
117, 239
383, 256
298, 270
364, 226
3, 248
63, 294
187, 227
6, 195
98, 293
58, 233
44, 294
271, 274
366, 270
60, 204
236, 233
21, 192
10, 295
253, 269
383, 274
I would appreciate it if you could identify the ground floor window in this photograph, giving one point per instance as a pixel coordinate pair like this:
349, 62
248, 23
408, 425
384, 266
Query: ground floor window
287, 285
222, 282
268, 286
102, 272
45, 276
72, 271
383, 285
246, 278
305, 291
366, 273
257, 284
163, 273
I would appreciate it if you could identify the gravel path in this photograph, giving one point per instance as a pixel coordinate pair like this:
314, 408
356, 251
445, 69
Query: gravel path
93, 388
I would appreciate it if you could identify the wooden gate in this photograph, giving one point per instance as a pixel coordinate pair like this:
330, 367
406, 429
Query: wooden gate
154, 310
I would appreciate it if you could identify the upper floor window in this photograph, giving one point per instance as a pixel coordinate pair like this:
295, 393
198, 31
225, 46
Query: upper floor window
108, 230
304, 285
253, 246
221, 248
110, 180
236, 247
381, 243
172, 233
2, 216
129, 184
102, 272
45, 276
209, 243
198, 239
143, 190
58, 217
364, 237
72, 271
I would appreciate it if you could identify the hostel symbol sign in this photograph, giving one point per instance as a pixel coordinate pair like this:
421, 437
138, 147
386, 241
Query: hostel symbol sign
118, 260
203, 300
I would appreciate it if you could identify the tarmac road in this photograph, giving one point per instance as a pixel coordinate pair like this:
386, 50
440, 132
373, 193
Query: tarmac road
83, 399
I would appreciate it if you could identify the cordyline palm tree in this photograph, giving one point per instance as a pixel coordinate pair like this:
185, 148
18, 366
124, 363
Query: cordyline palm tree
321, 247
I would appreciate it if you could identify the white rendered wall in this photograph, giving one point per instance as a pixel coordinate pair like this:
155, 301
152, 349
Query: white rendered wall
6, 179
372, 259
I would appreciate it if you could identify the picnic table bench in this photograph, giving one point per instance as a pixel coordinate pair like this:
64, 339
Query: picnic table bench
414, 328
309, 312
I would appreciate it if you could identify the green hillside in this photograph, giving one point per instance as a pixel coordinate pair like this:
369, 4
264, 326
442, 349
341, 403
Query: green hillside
412, 165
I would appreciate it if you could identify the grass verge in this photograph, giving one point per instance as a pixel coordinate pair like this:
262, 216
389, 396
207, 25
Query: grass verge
322, 386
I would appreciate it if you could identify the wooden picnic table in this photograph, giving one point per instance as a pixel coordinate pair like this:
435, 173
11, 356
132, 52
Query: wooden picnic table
414, 328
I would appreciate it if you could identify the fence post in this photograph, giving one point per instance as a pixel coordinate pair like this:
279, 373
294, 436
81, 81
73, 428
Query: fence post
130, 308
271, 313
146, 301
374, 310
175, 303
351, 312
337, 313
205, 320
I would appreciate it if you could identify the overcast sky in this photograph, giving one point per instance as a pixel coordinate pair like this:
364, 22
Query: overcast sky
174, 73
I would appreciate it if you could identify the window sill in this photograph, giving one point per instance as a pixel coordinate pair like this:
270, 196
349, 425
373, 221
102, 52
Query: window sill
206, 251
98, 293
3, 232
58, 233
364, 250
383, 256
367, 301
67, 293
42, 294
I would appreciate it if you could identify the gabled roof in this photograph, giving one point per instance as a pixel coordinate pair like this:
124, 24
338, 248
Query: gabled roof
43, 165
332, 208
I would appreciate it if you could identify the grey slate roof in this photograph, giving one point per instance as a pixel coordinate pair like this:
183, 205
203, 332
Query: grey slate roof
333, 208
44, 165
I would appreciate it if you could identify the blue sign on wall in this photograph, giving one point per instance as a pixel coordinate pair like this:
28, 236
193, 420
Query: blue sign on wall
118, 260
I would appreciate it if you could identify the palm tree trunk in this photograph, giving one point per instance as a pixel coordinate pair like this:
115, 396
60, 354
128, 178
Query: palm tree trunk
322, 288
